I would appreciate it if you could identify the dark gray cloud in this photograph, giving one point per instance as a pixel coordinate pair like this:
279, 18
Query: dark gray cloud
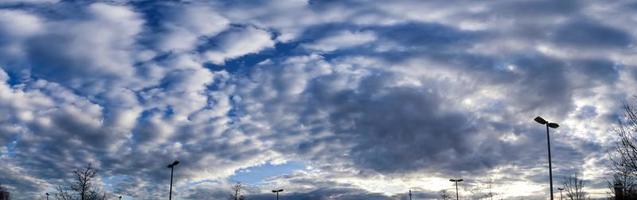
591, 34
396, 128
538, 8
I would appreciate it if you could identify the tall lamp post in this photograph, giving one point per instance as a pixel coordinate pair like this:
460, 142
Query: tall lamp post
548, 141
277, 193
560, 189
172, 168
456, 181
409, 194
47, 196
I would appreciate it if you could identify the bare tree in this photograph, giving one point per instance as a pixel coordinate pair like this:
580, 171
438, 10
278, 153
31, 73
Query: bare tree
627, 180
624, 158
574, 188
82, 187
63, 193
236, 192
489, 184
83, 183
482, 189
476, 192
444, 195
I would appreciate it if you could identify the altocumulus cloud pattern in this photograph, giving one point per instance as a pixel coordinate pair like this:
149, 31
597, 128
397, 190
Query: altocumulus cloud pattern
348, 99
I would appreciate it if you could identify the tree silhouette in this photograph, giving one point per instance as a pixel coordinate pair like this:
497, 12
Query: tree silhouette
628, 184
444, 195
574, 188
81, 188
624, 159
236, 192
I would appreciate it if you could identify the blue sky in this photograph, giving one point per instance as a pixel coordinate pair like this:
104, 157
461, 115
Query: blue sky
258, 174
351, 99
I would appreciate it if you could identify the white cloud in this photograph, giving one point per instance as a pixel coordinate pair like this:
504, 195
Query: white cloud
17, 23
86, 52
238, 43
15, 27
190, 24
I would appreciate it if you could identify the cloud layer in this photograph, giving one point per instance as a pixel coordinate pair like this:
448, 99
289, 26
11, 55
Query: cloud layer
373, 98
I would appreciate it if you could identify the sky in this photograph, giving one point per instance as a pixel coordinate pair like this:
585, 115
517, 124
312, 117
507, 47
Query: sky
349, 99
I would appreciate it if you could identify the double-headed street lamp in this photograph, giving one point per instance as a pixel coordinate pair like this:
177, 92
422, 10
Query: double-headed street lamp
456, 181
548, 141
277, 193
172, 168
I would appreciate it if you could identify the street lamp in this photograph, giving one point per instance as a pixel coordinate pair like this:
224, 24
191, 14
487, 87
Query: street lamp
548, 124
456, 181
47, 196
409, 194
560, 189
120, 197
172, 168
277, 193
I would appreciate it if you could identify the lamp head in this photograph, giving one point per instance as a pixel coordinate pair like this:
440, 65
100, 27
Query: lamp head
553, 125
173, 164
540, 120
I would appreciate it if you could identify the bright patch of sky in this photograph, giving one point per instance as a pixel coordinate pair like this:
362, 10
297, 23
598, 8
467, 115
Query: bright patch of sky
258, 174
